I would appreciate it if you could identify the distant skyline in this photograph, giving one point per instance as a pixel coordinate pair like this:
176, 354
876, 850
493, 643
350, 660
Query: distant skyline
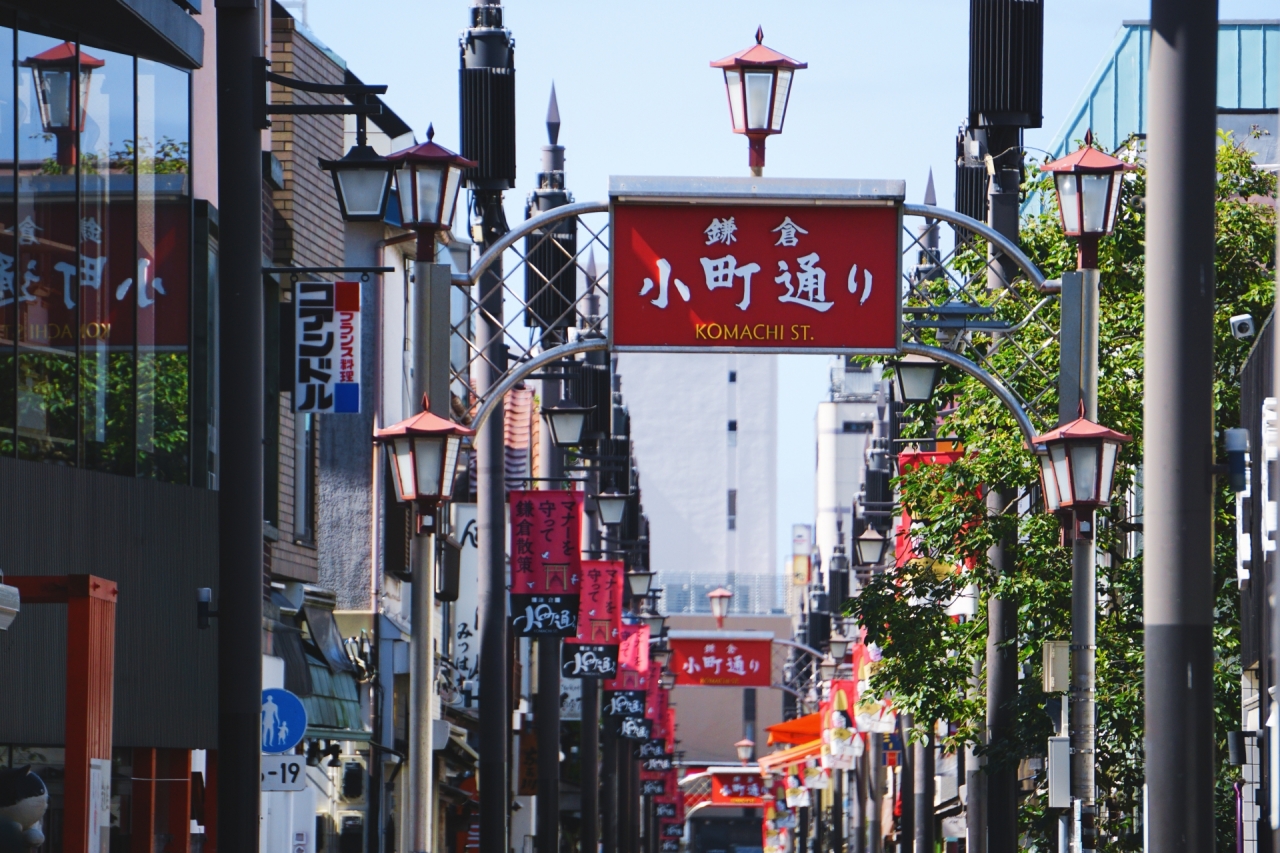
885, 90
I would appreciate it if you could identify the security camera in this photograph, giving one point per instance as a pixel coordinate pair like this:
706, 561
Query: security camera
1241, 326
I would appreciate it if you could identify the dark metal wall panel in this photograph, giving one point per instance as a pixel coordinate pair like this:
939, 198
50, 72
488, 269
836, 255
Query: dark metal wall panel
1256, 385
158, 542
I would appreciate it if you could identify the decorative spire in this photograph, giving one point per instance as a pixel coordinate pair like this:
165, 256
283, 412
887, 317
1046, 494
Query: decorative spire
431, 132
930, 196
591, 267
553, 117
759, 35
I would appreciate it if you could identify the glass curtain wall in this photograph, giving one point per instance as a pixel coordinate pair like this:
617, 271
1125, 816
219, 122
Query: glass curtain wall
95, 258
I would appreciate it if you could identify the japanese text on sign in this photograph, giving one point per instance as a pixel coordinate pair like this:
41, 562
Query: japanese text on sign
737, 789
722, 662
755, 277
328, 346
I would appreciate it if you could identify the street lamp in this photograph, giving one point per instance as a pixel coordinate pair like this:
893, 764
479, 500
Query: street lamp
566, 423
1088, 184
871, 547
758, 82
612, 507
667, 680
1080, 465
424, 450
427, 179
638, 583
720, 599
916, 378
657, 622
827, 668
839, 647
62, 104
746, 748
362, 179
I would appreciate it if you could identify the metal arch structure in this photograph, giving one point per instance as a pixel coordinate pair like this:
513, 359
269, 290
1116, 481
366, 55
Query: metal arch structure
1002, 348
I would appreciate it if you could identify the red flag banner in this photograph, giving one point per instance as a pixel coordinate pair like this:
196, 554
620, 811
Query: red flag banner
633, 660
737, 789
714, 658
600, 607
546, 562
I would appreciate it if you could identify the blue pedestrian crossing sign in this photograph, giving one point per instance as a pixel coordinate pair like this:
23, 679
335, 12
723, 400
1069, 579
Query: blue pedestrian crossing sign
284, 720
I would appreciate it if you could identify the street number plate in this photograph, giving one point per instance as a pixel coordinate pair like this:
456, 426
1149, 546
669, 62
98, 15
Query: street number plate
280, 773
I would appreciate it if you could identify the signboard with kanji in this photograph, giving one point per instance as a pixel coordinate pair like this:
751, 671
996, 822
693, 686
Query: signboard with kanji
327, 336
546, 562
710, 661
755, 265
593, 651
635, 728
737, 789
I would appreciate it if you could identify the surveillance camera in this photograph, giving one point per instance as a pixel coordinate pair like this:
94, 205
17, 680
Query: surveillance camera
1241, 326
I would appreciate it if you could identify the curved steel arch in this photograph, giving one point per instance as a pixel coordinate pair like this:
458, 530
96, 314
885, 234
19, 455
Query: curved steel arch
995, 385
522, 371
523, 229
991, 235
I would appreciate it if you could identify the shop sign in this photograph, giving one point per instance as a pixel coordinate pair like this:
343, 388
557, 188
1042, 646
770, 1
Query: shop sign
623, 703
737, 663
327, 338
546, 564
737, 789
706, 265
583, 660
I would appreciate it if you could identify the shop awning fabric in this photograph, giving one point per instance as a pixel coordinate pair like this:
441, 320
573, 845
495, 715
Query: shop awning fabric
800, 730
779, 761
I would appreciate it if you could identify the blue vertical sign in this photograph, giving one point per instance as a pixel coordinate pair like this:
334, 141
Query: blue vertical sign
284, 720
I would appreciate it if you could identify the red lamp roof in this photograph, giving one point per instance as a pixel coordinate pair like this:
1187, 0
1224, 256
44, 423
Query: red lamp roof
1081, 428
430, 152
758, 56
63, 53
423, 423
1088, 159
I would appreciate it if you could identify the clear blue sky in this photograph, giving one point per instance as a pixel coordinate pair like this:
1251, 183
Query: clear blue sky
882, 97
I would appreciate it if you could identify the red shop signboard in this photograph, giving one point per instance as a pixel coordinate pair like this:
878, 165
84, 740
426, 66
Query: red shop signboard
754, 265
711, 659
737, 789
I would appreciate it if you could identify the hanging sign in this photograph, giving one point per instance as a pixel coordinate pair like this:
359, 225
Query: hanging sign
633, 660
712, 658
593, 651
673, 830
327, 338
665, 810
653, 787
755, 265
660, 764
650, 749
546, 565
842, 746
635, 728
670, 845
623, 703
737, 789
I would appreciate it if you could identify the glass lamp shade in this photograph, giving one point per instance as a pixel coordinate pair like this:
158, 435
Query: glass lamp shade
745, 749
1080, 466
667, 680
428, 194
871, 546
1049, 483
827, 668
362, 180
916, 377
660, 655
424, 466
1088, 184
638, 583
612, 507
657, 622
61, 80
720, 599
566, 424
839, 647
758, 83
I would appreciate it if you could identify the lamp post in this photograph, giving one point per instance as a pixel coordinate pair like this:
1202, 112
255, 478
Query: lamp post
871, 547
61, 79
720, 599
424, 453
746, 749
758, 83
612, 507
428, 177
1078, 470
1088, 184
362, 179
916, 378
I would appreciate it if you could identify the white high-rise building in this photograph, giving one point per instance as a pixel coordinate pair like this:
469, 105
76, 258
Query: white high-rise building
705, 431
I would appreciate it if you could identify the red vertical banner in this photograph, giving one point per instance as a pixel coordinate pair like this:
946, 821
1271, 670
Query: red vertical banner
546, 562
593, 651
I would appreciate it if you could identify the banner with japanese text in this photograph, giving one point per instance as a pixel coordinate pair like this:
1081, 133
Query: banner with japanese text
695, 276
736, 663
327, 338
593, 651
842, 745
905, 542
546, 562
737, 789
633, 659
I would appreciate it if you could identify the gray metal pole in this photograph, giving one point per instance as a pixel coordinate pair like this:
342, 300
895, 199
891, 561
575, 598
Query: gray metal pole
240, 498
875, 792
590, 749
1002, 693
430, 332
610, 788
546, 715
922, 770
495, 697
837, 812
1083, 652
1178, 426
907, 786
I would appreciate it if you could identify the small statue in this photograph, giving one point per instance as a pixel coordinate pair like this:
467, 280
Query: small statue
23, 801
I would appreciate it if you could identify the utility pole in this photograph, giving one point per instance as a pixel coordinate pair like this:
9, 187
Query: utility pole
240, 495
487, 100
430, 383
1178, 426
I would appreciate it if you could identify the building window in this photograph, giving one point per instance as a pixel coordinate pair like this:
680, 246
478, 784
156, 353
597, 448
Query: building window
733, 433
733, 509
733, 376
304, 474
856, 427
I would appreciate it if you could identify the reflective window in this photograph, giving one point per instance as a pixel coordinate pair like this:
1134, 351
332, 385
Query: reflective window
8, 250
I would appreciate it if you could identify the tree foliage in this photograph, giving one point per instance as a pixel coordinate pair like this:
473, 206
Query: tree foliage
932, 660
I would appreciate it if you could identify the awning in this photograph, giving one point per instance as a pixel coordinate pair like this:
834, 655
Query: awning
781, 760
800, 730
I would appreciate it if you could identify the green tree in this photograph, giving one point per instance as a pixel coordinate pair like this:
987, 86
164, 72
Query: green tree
932, 662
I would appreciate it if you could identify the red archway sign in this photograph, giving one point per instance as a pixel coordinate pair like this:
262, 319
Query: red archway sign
755, 265
91, 662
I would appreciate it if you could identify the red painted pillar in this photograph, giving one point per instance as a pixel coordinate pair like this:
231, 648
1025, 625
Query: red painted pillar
178, 775
142, 819
91, 623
